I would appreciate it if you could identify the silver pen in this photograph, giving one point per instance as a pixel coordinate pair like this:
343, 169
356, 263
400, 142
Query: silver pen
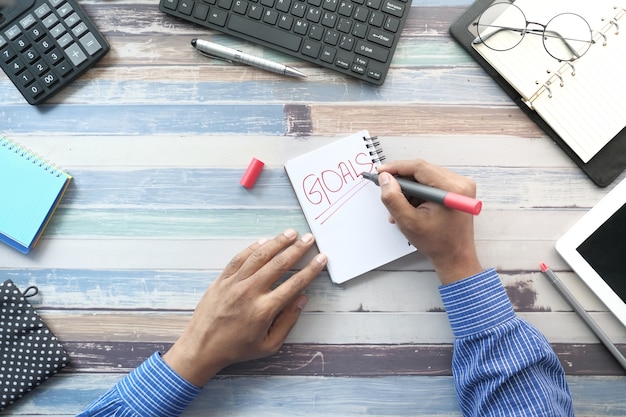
578, 308
214, 50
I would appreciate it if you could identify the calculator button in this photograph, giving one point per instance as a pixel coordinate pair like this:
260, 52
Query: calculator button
90, 43
34, 90
7, 54
13, 32
49, 79
80, 29
3, 42
41, 68
75, 54
63, 68
36, 33
42, 11
65, 40
72, 20
22, 43
65, 10
26, 78
45, 45
31, 56
16, 66
58, 31
56, 3
54, 56
28, 21
50, 21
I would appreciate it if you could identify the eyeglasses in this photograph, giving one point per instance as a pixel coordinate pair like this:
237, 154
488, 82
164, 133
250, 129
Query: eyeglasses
502, 26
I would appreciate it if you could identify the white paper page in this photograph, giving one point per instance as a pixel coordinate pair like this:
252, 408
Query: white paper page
590, 108
588, 111
343, 210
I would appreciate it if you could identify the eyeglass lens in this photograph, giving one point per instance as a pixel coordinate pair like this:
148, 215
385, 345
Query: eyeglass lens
565, 37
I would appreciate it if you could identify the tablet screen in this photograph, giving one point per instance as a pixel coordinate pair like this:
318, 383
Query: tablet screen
605, 251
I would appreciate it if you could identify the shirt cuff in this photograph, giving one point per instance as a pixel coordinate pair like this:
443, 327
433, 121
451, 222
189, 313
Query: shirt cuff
154, 389
476, 303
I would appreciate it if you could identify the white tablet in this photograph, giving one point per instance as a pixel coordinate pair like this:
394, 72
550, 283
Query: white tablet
595, 248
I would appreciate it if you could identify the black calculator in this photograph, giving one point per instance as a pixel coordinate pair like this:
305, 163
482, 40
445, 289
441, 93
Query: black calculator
45, 44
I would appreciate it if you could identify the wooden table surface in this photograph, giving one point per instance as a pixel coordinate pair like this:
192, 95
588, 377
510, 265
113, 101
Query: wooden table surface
157, 138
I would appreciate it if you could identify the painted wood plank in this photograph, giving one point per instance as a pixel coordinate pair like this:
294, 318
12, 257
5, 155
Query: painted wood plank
332, 360
73, 152
207, 189
174, 290
313, 327
315, 396
213, 254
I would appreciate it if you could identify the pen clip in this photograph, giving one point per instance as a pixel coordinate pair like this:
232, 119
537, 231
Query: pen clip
208, 55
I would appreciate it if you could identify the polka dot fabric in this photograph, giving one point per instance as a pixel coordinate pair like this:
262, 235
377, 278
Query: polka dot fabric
29, 352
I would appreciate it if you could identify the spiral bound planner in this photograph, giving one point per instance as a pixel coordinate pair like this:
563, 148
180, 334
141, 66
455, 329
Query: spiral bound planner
30, 190
580, 102
344, 211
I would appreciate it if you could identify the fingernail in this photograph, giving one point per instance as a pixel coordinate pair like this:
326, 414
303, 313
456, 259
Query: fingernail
302, 302
383, 178
307, 237
290, 233
320, 258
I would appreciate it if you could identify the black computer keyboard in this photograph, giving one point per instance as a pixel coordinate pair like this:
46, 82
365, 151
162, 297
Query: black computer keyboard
354, 37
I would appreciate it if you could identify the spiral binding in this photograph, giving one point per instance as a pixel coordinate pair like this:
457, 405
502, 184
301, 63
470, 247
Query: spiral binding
598, 37
30, 156
375, 149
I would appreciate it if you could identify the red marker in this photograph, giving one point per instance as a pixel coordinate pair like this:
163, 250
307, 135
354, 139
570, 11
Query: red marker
451, 200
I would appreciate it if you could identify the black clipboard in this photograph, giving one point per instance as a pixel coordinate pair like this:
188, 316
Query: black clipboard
604, 167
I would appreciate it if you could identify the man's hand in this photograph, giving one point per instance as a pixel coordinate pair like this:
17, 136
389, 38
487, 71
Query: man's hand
444, 235
244, 315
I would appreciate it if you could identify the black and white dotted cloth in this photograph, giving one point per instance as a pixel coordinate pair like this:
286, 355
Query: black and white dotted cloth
29, 352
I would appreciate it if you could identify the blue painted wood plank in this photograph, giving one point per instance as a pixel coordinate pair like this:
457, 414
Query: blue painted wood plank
188, 188
433, 86
67, 395
212, 188
134, 119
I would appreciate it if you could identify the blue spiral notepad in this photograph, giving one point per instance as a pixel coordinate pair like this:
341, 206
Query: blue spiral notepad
30, 191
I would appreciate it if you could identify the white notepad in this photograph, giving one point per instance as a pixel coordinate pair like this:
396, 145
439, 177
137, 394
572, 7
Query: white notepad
344, 211
585, 102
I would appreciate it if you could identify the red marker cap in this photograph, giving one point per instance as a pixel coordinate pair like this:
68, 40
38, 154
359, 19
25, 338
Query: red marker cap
252, 173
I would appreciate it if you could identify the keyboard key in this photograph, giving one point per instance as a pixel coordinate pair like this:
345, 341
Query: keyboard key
201, 11
380, 37
185, 7
394, 8
218, 17
371, 51
170, 4
267, 33
311, 48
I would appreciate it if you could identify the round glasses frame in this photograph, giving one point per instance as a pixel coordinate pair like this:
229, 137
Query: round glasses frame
566, 37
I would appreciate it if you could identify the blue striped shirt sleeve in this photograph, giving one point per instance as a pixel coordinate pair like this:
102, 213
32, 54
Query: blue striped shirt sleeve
151, 390
502, 365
